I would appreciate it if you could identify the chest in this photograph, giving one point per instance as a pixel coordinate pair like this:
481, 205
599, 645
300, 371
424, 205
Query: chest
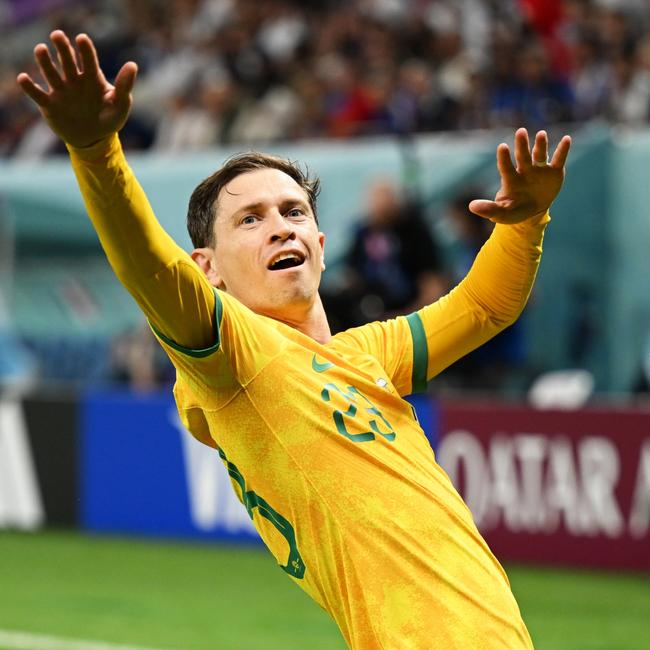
314, 398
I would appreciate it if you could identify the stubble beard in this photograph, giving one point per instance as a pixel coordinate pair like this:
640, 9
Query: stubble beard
292, 300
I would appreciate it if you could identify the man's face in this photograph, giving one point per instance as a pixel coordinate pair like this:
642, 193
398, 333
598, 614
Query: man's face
268, 252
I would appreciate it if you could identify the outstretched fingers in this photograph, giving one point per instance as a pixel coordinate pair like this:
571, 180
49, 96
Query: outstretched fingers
77, 101
522, 150
47, 67
504, 161
561, 152
125, 80
66, 54
88, 55
32, 89
540, 149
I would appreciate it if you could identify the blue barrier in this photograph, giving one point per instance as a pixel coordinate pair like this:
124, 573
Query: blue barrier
141, 472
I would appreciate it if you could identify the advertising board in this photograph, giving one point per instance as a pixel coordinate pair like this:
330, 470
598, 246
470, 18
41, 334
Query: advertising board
554, 487
142, 472
38, 462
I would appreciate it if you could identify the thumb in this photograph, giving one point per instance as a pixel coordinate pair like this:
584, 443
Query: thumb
124, 82
486, 209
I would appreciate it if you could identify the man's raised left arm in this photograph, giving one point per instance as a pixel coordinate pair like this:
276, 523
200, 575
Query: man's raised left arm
496, 289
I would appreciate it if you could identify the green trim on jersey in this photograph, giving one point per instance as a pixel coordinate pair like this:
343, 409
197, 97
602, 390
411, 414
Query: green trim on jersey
202, 352
295, 565
420, 353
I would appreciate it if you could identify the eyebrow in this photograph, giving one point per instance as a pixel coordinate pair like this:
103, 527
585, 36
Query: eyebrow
285, 204
251, 207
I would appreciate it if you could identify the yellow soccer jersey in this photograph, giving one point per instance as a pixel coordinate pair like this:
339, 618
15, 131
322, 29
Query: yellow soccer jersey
327, 458
341, 482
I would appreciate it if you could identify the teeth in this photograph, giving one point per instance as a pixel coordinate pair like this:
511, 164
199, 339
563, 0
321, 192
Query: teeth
285, 256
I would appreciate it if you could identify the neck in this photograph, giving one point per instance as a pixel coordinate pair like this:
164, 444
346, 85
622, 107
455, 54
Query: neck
312, 322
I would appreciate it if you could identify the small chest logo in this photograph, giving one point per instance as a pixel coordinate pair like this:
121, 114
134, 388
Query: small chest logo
382, 383
320, 367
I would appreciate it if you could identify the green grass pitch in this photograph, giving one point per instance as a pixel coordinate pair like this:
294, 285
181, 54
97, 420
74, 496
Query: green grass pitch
206, 597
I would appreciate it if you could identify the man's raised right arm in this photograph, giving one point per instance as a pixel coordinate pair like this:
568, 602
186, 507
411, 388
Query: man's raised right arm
87, 112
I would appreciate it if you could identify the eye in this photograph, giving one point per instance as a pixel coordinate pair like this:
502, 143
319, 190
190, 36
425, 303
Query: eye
249, 219
296, 212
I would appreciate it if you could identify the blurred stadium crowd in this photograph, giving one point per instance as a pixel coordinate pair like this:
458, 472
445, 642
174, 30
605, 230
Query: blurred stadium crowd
251, 72
245, 71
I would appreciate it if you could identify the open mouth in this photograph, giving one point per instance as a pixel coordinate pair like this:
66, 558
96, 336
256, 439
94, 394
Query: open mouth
286, 261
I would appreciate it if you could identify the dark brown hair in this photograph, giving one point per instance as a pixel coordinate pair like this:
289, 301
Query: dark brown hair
202, 209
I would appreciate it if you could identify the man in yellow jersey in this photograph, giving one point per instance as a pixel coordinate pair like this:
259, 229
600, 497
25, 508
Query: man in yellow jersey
328, 459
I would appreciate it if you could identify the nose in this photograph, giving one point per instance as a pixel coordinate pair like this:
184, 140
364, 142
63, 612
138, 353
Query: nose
280, 228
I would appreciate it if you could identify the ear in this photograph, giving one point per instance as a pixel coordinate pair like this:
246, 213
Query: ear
204, 258
321, 241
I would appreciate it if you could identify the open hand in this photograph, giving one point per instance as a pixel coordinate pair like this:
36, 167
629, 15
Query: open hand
80, 105
528, 189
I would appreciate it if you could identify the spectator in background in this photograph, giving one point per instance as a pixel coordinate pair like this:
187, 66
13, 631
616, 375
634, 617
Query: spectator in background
14, 122
269, 119
184, 126
590, 78
419, 102
310, 117
500, 360
393, 265
198, 117
283, 69
348, 104
469, 233
630, 98
534, 95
